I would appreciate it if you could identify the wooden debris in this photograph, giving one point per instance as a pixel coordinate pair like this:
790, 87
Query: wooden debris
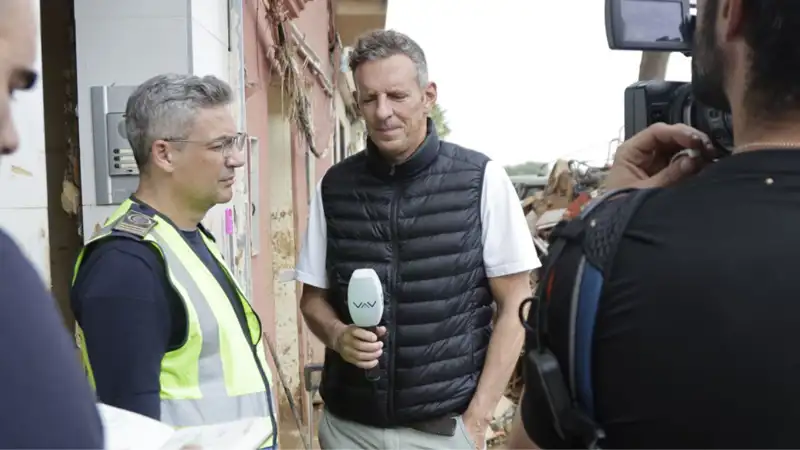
501, 422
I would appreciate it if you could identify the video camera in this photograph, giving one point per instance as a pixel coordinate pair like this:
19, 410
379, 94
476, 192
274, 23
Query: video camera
665, 26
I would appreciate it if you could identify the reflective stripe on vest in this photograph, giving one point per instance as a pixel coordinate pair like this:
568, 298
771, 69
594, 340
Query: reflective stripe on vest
214, 377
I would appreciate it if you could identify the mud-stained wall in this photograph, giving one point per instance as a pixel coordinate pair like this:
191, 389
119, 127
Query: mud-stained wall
288, 173
313, 24
282, 237
285, 174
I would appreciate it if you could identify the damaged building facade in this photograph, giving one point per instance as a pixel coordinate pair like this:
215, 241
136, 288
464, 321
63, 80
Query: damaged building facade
286, 61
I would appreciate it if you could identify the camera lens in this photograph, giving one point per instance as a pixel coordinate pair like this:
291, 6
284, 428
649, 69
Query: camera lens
716, 124
680, 105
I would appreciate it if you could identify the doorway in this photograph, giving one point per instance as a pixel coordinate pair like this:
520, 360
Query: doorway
281, 203
62, 155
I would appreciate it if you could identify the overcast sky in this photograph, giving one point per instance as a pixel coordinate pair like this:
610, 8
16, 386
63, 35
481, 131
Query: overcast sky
522, 79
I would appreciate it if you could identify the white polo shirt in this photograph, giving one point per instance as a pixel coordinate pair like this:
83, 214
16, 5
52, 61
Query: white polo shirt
507, 244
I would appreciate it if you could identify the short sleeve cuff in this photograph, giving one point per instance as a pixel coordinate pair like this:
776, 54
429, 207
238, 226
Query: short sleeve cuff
307, 278
513, 268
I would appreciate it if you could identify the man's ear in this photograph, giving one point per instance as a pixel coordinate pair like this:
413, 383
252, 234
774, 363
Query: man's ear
431, 95
161, 155
731, 18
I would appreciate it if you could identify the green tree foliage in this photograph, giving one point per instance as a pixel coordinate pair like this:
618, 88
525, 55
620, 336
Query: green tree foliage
440, 120
528, 168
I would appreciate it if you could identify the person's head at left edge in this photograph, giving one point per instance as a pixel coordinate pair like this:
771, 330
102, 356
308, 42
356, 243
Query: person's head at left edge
393, 91
17, 59
185, 142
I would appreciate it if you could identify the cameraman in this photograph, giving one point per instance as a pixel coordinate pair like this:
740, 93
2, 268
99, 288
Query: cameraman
694, 340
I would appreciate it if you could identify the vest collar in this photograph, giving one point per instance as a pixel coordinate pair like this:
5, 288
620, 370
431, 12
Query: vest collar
421, 158
146, 209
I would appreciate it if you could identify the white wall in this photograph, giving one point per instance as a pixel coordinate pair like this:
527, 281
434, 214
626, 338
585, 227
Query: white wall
125, 43
281, 204
23, 179
122, 43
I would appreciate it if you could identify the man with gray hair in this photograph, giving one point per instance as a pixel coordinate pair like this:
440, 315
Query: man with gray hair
164, 328
442, 227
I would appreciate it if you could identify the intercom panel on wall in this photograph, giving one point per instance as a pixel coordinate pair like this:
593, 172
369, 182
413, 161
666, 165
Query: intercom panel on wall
116, 174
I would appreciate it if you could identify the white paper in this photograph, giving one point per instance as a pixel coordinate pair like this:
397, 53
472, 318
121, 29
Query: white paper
125, 430
245, 434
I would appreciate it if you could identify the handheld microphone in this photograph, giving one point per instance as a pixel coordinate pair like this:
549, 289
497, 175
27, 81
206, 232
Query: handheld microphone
365, 302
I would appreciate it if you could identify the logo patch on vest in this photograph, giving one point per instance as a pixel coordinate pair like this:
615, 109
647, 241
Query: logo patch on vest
135, 223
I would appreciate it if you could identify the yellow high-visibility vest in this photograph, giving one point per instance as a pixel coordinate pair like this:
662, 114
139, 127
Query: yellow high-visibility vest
216, 376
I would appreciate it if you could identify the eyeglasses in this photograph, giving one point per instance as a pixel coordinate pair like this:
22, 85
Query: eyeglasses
224, 145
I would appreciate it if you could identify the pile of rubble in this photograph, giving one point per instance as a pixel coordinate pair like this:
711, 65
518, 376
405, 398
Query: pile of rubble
571, 184
501, 422
568, 181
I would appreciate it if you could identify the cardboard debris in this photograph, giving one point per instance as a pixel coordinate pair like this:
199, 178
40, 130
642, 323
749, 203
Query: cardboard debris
571, 185
501, 422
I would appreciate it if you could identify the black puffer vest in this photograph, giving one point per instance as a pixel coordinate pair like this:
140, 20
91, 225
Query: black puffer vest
418, 224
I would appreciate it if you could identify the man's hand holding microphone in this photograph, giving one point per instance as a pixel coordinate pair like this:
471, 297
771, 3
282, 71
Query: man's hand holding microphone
360, 347
360, 343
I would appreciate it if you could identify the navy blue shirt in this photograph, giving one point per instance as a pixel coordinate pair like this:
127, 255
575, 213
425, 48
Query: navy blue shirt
131, 316
45, 400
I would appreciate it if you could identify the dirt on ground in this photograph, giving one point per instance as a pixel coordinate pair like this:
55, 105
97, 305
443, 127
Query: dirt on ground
289, 437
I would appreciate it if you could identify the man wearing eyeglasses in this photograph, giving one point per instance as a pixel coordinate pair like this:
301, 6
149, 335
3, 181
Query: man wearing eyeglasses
164, 328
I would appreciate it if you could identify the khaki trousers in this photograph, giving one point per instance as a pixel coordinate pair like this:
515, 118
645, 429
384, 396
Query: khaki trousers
336, 433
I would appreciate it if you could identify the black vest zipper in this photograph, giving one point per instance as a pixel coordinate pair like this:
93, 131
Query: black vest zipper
392, 289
